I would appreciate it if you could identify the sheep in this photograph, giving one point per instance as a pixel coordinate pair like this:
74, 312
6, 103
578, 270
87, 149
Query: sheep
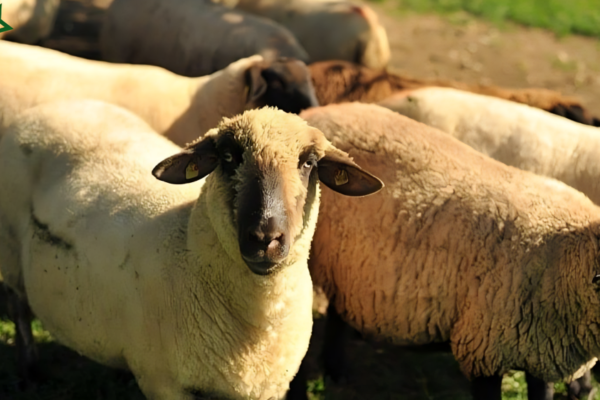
198, 295
329, 30
339, 81
515, 134
178, 107
190, 37
31, 20
500, 262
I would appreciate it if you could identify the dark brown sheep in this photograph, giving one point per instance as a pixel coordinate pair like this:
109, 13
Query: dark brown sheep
341, 81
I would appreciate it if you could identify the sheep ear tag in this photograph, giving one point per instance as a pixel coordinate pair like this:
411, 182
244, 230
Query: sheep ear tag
188, 166
341, 175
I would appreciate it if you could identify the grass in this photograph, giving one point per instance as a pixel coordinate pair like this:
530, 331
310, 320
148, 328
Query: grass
560, 16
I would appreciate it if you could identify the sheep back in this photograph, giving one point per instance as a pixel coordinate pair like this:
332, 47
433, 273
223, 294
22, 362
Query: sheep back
462, 249
191, 37
515, 134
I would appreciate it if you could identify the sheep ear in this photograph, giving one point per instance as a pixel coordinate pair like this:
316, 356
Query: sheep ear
190, 165
255, 83
339, 173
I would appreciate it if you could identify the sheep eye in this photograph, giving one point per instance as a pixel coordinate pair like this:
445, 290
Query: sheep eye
227, 157
309, 164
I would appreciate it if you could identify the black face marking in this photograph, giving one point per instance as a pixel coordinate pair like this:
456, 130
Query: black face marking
230, 154
42, 232
306, 164
596, 280
289, 86
262, 223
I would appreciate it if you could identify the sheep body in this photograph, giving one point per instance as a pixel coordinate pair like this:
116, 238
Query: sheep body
515, 134
180, 108
496, 260
138, 274
339, 81
329, 30
31, 20
190, 37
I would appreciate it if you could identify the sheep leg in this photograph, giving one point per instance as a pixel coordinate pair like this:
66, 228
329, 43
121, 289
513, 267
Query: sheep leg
487, 387
581, 388
27, 355
336, 337
298, 384
538, 389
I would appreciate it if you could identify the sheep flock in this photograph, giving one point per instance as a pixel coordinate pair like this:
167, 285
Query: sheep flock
161, 211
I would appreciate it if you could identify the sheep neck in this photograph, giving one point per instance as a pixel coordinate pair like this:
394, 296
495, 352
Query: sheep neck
237, 316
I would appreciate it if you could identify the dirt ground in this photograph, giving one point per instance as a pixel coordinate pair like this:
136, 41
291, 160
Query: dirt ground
463, 48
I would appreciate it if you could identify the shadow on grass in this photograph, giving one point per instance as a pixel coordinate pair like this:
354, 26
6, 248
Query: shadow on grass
65, 375
381, 371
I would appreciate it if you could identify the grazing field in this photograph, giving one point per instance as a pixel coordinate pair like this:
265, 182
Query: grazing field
562, 17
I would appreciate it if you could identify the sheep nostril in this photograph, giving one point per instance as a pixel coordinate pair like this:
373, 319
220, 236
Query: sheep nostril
256, 237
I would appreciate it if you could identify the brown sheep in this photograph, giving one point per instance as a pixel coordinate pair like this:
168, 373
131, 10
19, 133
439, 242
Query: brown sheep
341, 81
498, 261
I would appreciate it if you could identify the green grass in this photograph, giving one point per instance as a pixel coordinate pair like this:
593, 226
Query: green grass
560, 16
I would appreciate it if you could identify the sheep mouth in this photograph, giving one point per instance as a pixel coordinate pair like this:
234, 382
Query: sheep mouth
262, 268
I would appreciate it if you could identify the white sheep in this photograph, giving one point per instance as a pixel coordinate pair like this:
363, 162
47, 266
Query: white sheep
329, 30
516, 134
31, 20
502, 263
190, 37
180, 108
198, 295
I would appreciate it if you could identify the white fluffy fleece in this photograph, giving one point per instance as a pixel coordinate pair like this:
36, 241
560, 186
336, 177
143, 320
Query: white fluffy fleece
179, 107
515, 134
133, 272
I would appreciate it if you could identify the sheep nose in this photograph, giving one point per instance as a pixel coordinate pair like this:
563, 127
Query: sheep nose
264, 246
270, 238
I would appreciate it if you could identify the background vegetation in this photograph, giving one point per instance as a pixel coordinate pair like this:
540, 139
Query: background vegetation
560, 16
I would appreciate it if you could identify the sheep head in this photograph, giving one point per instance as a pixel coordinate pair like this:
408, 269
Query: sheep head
284, 83
267, 163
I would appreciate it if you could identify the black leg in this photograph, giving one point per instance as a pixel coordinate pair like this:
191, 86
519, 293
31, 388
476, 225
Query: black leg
27, 355
298, 385
336, 337
487, 387
581, 388
538, 389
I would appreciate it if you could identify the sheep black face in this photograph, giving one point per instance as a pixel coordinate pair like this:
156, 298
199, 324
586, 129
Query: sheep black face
284, 83
268, 162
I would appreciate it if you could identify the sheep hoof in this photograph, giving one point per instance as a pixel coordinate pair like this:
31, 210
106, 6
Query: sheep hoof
582, 388
27, 355
538, 389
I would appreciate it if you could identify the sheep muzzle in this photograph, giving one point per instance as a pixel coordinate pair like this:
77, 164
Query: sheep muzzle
263, 232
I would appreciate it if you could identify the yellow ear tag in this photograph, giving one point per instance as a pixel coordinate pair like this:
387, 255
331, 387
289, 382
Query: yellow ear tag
341, 177
191, 171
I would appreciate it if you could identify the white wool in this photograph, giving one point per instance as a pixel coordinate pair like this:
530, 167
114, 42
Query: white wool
131, 271
179, 107
515, 134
